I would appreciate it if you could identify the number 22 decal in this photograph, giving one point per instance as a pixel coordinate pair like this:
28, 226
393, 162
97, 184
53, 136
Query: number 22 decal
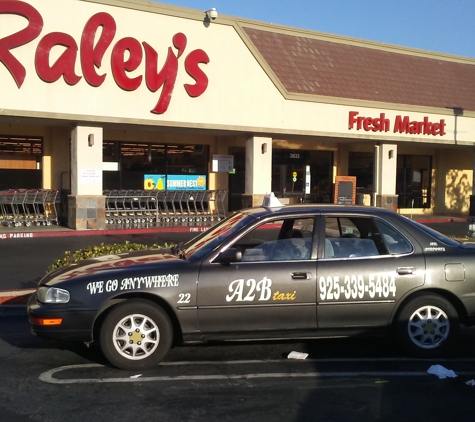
184, 298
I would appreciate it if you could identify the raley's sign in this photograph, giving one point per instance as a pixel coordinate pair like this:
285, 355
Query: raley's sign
126, 56
402, 124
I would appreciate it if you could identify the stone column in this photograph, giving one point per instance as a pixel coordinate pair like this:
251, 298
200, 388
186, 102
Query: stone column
258, 170
385, 176
86, 205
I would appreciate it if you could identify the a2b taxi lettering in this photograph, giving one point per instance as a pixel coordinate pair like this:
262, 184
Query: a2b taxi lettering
284, 296
356, 286
245, 291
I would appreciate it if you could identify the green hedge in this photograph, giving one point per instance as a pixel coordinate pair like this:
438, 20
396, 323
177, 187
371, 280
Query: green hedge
101, 250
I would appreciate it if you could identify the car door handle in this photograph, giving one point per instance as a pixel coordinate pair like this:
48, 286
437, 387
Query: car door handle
405, 270
301, 276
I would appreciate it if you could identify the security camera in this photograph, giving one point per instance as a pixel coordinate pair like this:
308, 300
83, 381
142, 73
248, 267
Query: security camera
212, 13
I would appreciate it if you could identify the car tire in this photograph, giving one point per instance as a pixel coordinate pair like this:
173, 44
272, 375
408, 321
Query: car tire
136, 335
427, 325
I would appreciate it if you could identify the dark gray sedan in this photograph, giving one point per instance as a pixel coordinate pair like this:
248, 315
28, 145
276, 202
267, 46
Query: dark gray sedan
268, 273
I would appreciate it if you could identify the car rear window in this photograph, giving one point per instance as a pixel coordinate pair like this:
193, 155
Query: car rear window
434, 233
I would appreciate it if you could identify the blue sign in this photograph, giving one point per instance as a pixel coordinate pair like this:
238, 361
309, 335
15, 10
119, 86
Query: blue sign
175, 182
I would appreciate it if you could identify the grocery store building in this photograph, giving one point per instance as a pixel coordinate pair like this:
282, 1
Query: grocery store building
113, 94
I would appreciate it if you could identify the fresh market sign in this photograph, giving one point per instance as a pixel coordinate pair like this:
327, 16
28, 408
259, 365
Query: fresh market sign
401, 124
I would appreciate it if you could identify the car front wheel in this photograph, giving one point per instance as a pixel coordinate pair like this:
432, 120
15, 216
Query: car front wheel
136, 335
427, 325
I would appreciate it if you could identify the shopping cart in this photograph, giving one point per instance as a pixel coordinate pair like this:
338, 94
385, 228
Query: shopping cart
220, 207
28, 206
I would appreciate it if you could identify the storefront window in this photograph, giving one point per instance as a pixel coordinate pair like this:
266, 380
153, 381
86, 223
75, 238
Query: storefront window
413, 181
360, 164
135, 160
20, 162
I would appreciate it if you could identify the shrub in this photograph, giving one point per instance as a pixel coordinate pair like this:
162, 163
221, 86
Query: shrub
101, 250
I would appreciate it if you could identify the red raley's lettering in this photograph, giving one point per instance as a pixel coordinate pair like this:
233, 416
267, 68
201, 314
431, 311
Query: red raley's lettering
201, 80
64, 65
32, 31
167, 75
91, 56
121, 66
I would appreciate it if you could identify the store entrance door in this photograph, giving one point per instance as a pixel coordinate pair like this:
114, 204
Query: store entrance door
288, 181
302, 176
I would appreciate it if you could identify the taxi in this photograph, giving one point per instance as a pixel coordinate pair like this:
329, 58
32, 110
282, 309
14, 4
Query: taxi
293, 272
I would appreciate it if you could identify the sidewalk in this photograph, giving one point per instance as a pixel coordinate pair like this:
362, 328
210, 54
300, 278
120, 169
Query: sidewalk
13, 301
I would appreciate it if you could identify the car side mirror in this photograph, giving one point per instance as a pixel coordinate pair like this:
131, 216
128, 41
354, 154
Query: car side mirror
228, 256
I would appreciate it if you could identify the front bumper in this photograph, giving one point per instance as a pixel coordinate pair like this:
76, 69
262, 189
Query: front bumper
76, 322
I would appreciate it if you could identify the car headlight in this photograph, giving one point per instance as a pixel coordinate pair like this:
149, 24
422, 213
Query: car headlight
52, 295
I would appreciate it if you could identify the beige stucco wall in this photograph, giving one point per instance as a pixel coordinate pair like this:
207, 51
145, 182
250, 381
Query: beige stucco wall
240, 94
454, 171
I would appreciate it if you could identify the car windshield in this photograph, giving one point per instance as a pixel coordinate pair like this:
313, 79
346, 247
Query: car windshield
201, 245
434, 233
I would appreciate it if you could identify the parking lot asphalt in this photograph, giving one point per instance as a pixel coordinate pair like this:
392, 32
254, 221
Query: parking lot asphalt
26, 241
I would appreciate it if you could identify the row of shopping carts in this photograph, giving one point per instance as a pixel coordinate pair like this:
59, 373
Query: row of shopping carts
164, 207
29, 207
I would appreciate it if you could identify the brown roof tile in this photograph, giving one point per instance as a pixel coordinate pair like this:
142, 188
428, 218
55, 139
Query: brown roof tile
308, 65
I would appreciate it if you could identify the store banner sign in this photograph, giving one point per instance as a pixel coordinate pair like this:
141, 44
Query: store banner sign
174, 182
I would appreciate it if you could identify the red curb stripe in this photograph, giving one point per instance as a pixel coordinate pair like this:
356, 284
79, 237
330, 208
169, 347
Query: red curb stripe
14, 300
37, 234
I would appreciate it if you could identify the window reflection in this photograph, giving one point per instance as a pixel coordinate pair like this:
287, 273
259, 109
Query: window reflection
134, 160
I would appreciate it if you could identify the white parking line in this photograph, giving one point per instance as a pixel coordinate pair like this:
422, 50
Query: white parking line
48, 376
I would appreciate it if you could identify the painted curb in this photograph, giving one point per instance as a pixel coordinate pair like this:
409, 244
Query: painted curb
13, 302
35, 234
15, 297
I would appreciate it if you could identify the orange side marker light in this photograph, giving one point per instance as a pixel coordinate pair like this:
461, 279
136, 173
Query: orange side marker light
47, 321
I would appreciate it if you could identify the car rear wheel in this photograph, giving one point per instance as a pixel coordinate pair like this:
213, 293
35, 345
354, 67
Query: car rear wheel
135, 335
427, 325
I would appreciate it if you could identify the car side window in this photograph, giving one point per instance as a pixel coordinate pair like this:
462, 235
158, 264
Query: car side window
352, 237
282, 240
395, 241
